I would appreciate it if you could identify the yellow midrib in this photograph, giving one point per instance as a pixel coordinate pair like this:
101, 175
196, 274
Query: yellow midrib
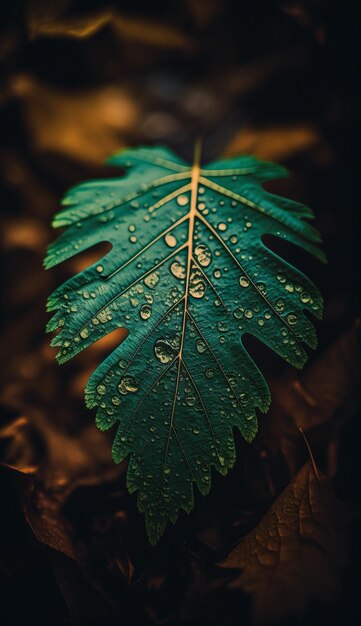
189, 244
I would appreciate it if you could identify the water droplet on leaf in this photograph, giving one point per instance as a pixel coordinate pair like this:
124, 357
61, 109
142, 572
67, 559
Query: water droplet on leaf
170, 240
151, 280
201, 346
164, 351
243, 281
182, 200
128, 384
178, 270
197, 286
203, 254
145, 311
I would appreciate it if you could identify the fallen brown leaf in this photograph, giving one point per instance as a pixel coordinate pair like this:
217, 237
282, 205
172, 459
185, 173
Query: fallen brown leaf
18, 448
329, 384
58, 463
88, 126
295, 554
274, 143
128, 28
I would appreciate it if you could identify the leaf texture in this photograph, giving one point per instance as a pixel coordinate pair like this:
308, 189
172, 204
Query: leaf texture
296, 553
188, 275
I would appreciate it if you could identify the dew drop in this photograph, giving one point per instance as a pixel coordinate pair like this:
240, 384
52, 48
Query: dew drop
178, 270
238, 313
222, 226
248, 313
197, 286
164, 351
151, 280
243, 281
128, 384
292, 319
102, 317
100, 269
145, 311
182, 200
203, 254
243, 398
101, 389
170, 240
305, 297
201, 346
232, 379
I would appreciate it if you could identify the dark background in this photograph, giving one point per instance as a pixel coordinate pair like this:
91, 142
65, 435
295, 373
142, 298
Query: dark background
79, 80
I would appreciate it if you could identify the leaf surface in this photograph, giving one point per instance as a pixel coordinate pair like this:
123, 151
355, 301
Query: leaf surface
188, 275
295, 553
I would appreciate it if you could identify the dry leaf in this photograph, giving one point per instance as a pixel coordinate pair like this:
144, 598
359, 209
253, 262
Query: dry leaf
87, 126
131, 29
17, 440
274, 143
58, 463
326, 388
295, 553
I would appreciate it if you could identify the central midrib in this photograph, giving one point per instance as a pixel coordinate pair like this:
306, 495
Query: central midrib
191, 215
189, 246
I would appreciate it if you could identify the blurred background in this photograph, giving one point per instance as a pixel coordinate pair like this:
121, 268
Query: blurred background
80, 79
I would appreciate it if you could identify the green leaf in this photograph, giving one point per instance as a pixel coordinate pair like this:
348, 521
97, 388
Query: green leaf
188, 275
